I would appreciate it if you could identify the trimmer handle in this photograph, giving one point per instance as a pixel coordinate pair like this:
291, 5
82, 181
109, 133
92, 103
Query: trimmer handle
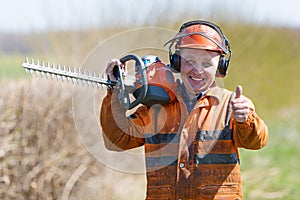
140, 74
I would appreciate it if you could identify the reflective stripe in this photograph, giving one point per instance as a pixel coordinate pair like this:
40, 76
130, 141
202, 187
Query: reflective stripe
162, 161
215, 147
162, 138
159, 138
225, 134
216, 159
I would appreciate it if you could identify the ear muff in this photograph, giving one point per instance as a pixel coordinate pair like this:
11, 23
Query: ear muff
223, 66
175, 60
224, 62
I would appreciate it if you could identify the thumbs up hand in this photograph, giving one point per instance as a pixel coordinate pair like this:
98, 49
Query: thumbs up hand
240, 106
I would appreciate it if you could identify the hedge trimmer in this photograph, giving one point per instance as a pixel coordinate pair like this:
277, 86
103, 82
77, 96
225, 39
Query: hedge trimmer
152, 82
125, 84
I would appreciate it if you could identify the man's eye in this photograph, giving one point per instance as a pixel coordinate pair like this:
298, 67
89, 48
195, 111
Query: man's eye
207, 64
190, 62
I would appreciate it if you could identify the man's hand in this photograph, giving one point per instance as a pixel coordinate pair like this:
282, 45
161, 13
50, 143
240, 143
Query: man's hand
240, 106
112, 69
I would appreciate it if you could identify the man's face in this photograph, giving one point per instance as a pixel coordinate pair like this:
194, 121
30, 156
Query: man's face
198, 69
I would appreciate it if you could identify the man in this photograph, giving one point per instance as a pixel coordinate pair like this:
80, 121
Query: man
191, 145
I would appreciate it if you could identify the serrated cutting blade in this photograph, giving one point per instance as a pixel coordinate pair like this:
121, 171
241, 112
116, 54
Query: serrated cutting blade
63, 73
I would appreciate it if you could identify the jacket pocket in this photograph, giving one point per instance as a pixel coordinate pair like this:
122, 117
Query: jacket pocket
158, 192
224, 192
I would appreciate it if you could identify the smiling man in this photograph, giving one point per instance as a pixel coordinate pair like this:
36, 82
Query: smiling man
194, 152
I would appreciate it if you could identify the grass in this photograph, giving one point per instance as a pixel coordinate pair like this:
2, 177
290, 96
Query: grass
265, 61
10, 66
272, 173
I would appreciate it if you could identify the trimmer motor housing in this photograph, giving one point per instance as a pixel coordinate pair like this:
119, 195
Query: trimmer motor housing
161, 88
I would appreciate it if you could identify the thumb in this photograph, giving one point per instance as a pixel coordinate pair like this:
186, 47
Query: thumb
238, 91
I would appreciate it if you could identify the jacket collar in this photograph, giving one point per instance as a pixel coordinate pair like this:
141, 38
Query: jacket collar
211, 97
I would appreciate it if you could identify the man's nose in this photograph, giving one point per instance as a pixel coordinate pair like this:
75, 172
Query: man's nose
198, 69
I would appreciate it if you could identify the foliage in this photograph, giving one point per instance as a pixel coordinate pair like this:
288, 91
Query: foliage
41, 154
40, 151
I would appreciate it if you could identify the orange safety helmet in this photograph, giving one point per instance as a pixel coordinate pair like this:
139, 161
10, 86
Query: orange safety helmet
200, 35
194, 40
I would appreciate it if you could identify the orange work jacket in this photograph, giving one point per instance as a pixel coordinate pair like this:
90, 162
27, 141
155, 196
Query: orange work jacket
189, 155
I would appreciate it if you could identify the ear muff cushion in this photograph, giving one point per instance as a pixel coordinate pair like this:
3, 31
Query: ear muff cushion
223, 66
175, 61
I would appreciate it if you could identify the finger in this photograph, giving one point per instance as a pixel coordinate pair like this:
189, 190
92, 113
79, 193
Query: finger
110, 69
239, 106
240, 118
238, 91
112, 63
240, 112
109, 66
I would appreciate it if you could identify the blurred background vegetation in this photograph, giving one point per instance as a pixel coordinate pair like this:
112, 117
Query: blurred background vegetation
43, 158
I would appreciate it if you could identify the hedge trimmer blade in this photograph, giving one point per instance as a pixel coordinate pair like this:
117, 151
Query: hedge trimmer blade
65, 73
125, 84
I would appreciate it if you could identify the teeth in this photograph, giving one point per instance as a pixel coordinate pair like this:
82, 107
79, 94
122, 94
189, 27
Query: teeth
196, 79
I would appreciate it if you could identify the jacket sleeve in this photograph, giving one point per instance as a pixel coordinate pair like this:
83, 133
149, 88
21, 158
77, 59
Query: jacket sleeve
120, 132
251, 134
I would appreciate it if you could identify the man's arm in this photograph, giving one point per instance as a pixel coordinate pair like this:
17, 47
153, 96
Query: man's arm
119, 132
251, 134
249, 131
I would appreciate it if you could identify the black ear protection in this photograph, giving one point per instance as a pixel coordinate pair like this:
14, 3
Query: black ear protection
175, 58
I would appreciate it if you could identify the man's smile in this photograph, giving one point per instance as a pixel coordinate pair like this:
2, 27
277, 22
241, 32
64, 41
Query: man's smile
196, 78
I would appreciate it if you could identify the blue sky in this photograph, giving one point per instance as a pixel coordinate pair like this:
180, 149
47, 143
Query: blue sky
36, 15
